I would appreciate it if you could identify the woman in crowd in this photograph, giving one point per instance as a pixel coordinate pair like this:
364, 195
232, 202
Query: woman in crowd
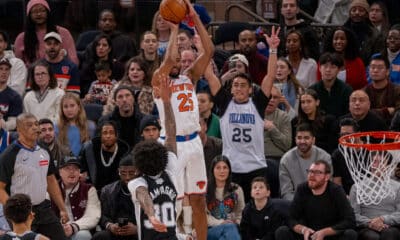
287, 83
72, 128
44, 99
302, 66
29, 45
343, 41
102, 46
163, 31
136, 75
225, 201
323, 125
149, 52
378, 15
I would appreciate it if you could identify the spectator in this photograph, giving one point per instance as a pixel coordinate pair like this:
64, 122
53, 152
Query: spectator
238, 63
18, 74
47, 138
294, 164
29, 45
185, 40
73, 129
302, 66
100, 89
242, 119
341, 174
212, 146
65, 71
117, 210
100, 157
102, 52
378, 220
80, 199
289, 86
277, 137
370, 40
344, 42
289, 10
44, 99
333, 93
225, 201
108, 26
23, 165
393, 52
248, 47
126, 115
137, 77
206, 105
359, 107
320, 209
383, 94
378, 15
18, 210
149, 46
262, 215
323, 125
10, 100
163, 32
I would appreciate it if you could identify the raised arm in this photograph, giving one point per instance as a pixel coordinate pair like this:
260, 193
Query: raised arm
170, 124
273, 43
213, 80
170, 57
201, 63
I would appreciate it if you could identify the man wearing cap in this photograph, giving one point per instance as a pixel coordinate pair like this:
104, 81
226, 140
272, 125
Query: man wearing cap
25, 167
150, 127
18, 73
100, 157
370, 40
65, 71
126, 115
10, 100
81, 201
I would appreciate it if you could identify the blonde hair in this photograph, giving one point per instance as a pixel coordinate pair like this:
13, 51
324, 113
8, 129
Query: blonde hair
80, 120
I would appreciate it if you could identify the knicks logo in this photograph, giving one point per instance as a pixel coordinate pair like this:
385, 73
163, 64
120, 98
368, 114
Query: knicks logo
201, 184
65, 69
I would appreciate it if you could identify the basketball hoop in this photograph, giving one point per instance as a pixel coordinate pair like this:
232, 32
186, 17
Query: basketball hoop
371, 158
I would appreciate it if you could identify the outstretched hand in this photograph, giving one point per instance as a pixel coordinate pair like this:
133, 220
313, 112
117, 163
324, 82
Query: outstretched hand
157, 225
191, 11
273, 40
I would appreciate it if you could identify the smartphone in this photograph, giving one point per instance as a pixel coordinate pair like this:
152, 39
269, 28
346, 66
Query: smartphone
122, 222
232, 65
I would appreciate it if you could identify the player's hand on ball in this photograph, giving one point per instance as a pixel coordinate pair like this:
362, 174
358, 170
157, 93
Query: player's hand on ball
158, 226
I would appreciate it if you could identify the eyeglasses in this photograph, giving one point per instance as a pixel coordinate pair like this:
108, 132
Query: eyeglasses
315, 172
41, 74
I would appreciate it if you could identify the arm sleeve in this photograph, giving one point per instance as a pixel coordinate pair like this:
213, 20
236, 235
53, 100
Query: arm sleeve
245, 224
394, 217
17, 79
282, 137
296, 210
212, 221
287, 187
92, 213
347, 217
240, 204
222, 100
7, 162
105, 208
73, 83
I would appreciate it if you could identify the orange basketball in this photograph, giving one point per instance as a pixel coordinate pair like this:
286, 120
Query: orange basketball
173, 10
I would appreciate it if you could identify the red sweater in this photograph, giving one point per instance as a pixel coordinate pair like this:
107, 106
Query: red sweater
356, 75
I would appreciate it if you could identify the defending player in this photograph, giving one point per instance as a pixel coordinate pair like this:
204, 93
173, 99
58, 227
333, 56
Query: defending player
185, 107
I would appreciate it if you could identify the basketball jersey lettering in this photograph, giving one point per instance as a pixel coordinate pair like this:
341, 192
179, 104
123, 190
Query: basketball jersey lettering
240, 135
242, 118
165, 212
186, 102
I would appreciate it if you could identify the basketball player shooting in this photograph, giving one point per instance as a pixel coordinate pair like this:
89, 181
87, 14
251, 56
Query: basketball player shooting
185, 107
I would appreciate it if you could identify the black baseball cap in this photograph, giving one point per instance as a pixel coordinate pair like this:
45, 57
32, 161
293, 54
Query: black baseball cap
68, 160
149, 120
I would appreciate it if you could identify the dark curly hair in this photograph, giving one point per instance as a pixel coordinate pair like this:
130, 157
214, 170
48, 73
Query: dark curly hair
352, 49
212, 185
151, 157
18, 207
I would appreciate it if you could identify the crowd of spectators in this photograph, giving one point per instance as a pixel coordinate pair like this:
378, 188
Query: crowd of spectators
281, 178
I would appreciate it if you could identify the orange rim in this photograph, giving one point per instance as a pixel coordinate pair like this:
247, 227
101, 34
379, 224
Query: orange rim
345, 140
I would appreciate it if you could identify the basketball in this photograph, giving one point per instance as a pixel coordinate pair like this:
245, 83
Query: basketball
173, 10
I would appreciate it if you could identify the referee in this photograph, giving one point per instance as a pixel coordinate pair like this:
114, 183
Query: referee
27, 168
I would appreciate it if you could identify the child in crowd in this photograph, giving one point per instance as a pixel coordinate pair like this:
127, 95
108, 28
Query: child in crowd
18, 210
73, 129
101, 88
261, 216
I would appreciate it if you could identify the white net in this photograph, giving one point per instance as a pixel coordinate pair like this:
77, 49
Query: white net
371, 170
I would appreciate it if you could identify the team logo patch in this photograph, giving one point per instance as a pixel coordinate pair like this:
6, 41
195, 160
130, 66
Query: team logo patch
201, 184
65, 69
43, 162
